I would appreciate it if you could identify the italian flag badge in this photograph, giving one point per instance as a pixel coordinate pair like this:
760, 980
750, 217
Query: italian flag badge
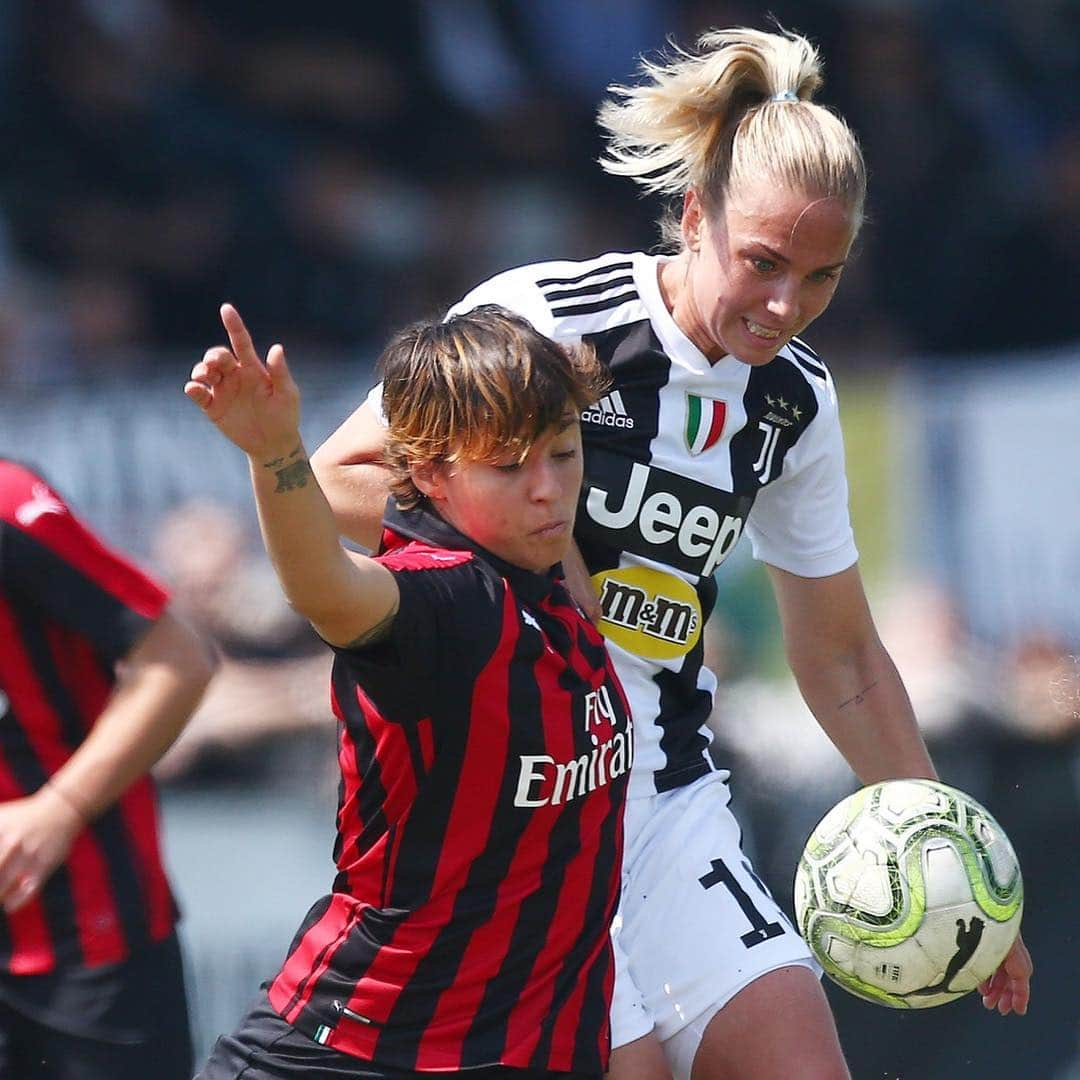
704, 422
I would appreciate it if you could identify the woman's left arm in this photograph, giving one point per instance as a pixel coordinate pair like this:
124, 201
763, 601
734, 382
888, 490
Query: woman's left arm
847, 677
852, 687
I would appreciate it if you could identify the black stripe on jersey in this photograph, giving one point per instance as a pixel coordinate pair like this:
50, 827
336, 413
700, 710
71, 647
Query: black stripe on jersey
682, 741
113, 842
589, 290
599, 305
806, 357
318, 910
437, 971
75, 600
57, 898
606, 268
589, 1022
371, 796
639, 370
780, 404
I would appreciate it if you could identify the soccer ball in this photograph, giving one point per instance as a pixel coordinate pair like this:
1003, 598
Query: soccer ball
909, 894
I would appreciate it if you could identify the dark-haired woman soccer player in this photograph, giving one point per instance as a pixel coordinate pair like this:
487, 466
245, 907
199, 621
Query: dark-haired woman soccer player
484, 739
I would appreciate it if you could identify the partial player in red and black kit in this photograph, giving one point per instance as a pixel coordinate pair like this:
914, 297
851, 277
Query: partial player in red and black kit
90, 973
484, 740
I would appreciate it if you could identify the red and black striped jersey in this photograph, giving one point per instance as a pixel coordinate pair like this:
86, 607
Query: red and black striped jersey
484, 751
70, 608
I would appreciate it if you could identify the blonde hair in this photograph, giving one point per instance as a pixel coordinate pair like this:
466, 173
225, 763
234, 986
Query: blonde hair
478, 387
736, 112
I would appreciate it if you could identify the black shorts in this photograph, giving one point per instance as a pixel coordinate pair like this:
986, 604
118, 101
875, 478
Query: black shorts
124, 1021
266, 1047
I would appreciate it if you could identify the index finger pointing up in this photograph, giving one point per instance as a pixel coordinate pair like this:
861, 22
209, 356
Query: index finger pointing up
239, 338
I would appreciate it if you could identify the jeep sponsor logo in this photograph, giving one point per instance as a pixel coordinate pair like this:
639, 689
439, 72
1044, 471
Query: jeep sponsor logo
542, 780
648, 613
666, 517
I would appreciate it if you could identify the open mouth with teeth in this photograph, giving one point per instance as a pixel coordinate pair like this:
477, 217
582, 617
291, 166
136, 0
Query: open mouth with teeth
761, 331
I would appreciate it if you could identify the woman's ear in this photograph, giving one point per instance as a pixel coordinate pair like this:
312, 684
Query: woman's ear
428, 477
692, 217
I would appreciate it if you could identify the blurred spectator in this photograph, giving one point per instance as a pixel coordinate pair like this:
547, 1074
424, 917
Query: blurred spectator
274, 672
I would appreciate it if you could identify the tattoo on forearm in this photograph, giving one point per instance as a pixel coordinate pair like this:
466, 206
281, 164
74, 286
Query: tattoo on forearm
292, 475
378, 631
859, 698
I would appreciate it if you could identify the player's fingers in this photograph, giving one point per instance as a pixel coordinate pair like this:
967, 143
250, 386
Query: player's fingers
242, 346
23, 891
12, 871
199, 393
1019, 962
278, 368
213, 367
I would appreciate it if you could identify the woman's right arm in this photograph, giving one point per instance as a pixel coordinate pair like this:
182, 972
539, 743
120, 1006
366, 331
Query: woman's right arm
350, 472
348, 598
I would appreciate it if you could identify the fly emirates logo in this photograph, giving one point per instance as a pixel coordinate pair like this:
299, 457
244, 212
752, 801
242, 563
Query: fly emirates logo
543, 781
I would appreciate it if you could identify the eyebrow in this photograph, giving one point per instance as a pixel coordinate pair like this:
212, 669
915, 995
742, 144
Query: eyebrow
780, 258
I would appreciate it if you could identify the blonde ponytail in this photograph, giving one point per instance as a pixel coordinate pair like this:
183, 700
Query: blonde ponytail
737, 110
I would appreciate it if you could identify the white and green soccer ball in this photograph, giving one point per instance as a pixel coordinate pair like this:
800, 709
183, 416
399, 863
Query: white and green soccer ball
909, 894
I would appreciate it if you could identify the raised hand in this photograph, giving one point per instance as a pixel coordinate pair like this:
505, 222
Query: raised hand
255, 405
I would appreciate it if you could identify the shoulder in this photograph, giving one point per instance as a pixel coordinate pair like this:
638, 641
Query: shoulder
444, 579
417, 556
25, 497
564, 299
810, 368
798, 379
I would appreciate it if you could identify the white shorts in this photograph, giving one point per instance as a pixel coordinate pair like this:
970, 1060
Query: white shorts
695, 925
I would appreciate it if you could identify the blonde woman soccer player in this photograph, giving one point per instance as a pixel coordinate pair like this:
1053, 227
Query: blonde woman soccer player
721, 420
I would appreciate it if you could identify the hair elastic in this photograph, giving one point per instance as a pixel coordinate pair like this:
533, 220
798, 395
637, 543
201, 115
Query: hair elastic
784, 95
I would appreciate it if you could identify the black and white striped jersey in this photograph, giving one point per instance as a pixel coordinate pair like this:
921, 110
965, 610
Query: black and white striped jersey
682, 457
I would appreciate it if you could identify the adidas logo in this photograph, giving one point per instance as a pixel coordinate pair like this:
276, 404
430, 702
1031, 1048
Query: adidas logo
608, 412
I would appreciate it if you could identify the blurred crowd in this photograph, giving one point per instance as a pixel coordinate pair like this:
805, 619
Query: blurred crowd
340, 168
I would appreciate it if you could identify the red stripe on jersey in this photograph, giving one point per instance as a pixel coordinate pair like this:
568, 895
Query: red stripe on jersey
531, 1012
50, 522
426, 737
29, 699
473, 807
29, 939
97, 921
420, 556
719, 413
367, 871
309, 959
489, 945
139, 809
485, 752
396, 772
81, 671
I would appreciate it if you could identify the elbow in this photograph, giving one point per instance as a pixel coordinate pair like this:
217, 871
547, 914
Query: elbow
192, 654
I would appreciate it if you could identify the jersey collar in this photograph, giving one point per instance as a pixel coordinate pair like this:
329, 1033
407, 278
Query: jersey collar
424, 524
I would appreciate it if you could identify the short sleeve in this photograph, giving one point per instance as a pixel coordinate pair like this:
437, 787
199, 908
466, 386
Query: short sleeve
56, 564
800, 522
447, 625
